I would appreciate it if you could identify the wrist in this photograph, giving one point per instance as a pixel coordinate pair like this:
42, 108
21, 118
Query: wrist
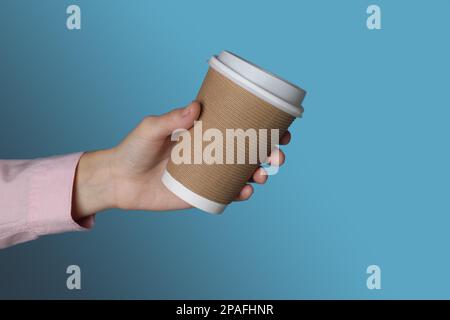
93, 188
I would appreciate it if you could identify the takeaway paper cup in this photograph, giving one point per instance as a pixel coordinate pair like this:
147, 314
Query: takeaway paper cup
238, 100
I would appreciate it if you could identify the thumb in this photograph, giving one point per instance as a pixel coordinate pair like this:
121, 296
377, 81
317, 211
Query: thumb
164, 125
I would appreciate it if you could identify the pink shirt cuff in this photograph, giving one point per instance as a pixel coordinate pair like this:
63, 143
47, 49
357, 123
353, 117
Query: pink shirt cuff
37, 198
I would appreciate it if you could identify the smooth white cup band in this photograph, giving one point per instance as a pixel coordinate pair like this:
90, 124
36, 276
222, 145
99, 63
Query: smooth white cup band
191, 197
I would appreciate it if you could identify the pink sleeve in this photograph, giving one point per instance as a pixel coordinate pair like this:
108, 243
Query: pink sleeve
36, 198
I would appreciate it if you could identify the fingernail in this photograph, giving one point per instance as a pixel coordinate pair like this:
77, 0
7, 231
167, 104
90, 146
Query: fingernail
186, 111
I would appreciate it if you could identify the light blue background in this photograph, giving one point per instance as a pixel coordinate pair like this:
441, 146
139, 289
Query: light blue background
367, 174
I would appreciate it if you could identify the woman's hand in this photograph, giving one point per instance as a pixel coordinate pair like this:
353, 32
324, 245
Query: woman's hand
128, 176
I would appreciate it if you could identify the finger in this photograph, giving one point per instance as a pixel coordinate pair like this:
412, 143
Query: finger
260, 176
285, 138
277, 157
245, 193
164, 125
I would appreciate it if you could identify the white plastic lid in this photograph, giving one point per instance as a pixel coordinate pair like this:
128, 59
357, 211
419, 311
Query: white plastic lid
265, 85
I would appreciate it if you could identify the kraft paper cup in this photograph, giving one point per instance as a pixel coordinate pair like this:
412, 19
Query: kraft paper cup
235, 94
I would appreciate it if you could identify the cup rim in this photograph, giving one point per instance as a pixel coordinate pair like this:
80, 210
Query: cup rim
258, 82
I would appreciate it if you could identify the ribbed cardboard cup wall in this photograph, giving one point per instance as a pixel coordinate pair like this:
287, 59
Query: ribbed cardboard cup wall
225, 105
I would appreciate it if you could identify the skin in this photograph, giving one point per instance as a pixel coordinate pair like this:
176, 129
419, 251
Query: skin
128, 176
